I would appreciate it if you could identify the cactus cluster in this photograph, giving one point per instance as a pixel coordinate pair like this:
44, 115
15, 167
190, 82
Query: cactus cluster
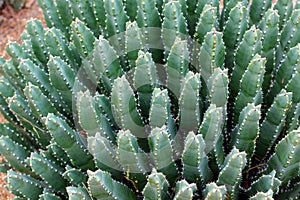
154, 99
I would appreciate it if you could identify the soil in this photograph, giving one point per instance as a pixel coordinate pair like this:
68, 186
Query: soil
12, 23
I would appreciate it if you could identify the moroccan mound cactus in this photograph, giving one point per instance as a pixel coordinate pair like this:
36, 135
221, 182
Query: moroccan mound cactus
154, 99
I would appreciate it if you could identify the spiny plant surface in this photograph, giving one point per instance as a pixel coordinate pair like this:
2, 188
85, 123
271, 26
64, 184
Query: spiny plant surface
154, 99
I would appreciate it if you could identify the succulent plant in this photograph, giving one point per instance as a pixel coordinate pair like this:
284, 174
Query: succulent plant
154, 99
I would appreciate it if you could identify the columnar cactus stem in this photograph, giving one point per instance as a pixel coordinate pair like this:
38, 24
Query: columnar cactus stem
184, 190
64, 10
149, 20
284, 10
249, 46
24, 185
70, 141
212, 191
161, 148
15, 51
99, 13
250, 86
217, 86
131, 8
263, 195
102, 185
265, 183
189, 103
177, 66
134, 161
116, 19
289, 36
50, 173
195, 160
75, 176
57, 46
285, 72
271, 126
270, 26
174, 25
51, 15
83, 11
134, 42
15, 154
230, 175
285, 160
35, 28
210, 129
156, 187
106, 64
82, 37
124, 107
145, 79
205, 24
247, 130
258, 10
234, 30
78, 193
211, 55
160, 108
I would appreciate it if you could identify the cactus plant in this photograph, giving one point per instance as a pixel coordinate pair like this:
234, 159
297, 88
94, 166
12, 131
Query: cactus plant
154, 99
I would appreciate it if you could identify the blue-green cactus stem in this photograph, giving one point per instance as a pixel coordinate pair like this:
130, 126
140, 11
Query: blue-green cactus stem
156, 187
124, 107
104, 153
250, 86
162, 150
101, 185
134, 161
83, 11
50, 172
78, 193
211, 55
289, 36
285, 159
189, 103
70, 141
24, 186
249, 46
273, 123
184, 190
258, 9
213, 191
270, 26
36, 31
174, 25
144, 80
234, 30
177, 66
74, 176
230, 175
195, 160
